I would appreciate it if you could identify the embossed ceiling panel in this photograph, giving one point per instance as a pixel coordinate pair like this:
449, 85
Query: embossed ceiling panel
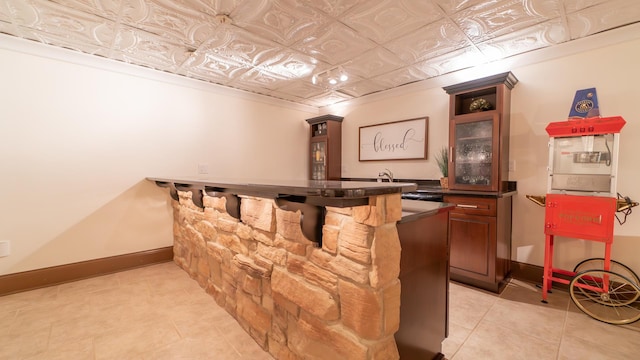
170, 20
276, 47
434, 39
284, 21
525, 40
453, 61
374, 62
453, 6
602, 17
149, 49
334, 44
362, 88
499, 18
383, 20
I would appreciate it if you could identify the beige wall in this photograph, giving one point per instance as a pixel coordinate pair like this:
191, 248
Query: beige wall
78, 140
544, 94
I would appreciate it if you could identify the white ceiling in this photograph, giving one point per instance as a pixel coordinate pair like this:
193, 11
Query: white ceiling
274, 47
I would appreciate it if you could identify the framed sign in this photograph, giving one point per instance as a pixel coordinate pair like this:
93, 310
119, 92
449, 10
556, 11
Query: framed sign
398, 140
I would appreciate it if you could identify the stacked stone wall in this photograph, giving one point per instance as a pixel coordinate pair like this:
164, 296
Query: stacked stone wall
297, 300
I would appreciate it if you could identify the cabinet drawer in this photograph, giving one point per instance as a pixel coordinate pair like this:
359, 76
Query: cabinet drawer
472, 205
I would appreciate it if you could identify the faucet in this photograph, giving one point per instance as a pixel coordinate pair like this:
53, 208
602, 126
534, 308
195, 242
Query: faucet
386, 174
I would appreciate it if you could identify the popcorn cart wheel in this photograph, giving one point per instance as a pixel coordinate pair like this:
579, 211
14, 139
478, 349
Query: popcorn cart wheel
606, 296
614, 266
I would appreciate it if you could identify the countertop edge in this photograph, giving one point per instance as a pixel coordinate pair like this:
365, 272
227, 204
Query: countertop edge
415, 209
319, 193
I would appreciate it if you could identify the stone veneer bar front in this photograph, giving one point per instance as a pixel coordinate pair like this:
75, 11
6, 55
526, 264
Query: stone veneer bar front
297, 300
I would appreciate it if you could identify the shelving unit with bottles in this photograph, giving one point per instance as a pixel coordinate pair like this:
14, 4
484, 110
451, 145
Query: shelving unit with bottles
325, 147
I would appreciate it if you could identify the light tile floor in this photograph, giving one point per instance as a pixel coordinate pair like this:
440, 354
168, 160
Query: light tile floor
158, 312
516, 325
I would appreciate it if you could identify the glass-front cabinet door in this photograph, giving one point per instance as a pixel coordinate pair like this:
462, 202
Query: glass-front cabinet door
474, 153
318, 160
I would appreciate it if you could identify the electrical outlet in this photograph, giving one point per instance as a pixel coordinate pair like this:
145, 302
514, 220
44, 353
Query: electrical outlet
203, 169
5, 248
512, 165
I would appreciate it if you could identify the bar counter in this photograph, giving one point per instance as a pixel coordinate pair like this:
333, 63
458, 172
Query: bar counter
313, 269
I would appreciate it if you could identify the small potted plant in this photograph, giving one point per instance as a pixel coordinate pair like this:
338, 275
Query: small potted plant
442, 158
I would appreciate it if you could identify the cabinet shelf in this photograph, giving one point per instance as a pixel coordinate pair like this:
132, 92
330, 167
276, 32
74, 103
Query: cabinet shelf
475, 138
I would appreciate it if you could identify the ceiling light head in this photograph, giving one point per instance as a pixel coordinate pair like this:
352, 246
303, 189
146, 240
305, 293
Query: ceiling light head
330, 77
343, 75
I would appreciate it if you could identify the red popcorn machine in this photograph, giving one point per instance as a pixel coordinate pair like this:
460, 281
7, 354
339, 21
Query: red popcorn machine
581, 202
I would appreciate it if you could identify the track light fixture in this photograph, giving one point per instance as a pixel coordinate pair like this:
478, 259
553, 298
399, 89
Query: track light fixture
330, 77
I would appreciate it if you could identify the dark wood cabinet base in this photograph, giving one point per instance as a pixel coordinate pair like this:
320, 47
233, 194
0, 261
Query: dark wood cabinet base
424, 277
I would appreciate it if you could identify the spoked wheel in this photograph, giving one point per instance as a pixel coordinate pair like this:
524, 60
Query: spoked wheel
606, 296
614, 266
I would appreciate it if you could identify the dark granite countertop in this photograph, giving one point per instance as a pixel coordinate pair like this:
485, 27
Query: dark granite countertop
439, 190
509, 188
321, 193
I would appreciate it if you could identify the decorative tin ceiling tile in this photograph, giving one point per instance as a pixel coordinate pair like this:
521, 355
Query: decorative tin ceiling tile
450, 62
383, 20
336, 43
258, 81
572, 6
504, 17
211, 69
8, 28
170, 20
212, 7
149, 49
374, 62
290, 65
330, 98
303, 89
334, 8
362, 88
233, 44
61, 26
4, 13
528, 39
434, 39
400, 77
453, 6
284, 21
603, 16
64, 42
105, 8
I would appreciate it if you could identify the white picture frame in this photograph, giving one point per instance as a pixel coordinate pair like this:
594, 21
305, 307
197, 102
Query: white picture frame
397, 140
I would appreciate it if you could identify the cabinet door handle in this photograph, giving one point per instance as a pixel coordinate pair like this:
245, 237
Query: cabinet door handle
467, 206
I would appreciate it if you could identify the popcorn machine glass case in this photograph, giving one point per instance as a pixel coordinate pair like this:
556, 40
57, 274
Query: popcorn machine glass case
583, 156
